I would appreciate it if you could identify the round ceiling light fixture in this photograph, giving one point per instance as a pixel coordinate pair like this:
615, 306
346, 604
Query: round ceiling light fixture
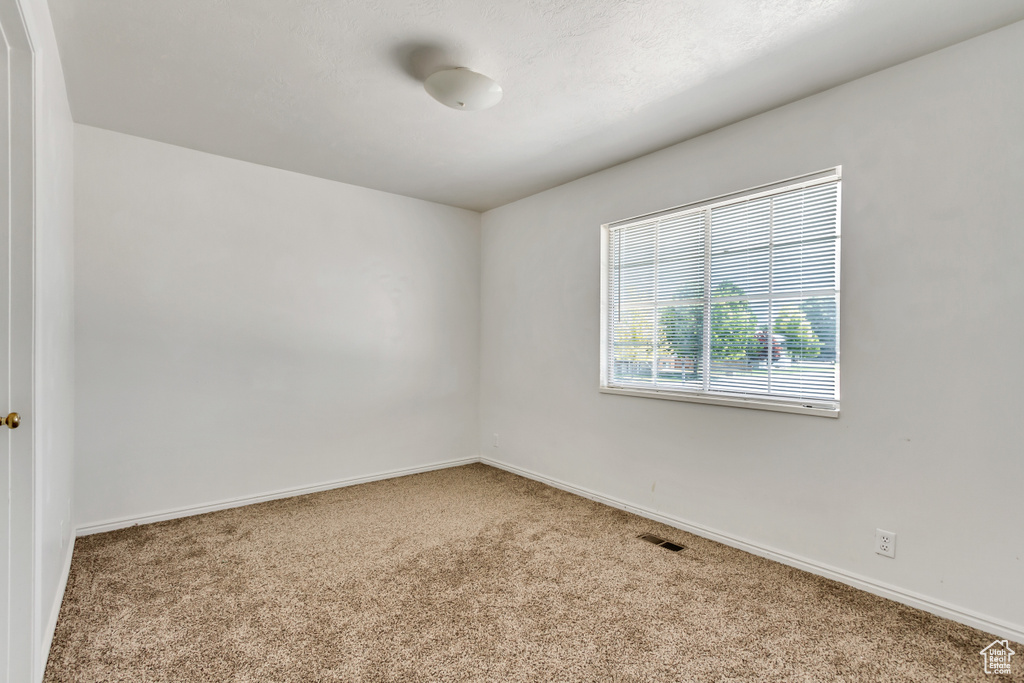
463, 89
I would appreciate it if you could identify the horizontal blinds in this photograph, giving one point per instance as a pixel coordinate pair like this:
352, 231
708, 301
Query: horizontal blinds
738, 298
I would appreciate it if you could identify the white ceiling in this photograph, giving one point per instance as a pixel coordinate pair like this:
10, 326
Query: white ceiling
333, 88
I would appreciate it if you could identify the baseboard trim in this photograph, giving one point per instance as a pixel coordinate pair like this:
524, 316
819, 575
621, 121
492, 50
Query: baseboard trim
999, 628
188, 511
51, 623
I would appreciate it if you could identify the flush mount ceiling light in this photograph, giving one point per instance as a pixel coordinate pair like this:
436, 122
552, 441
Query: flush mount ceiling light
463, 89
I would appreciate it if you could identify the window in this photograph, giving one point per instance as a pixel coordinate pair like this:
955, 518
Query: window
733, 300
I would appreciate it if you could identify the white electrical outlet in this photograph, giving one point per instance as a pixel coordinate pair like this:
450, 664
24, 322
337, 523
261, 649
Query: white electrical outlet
885, 543
495, 440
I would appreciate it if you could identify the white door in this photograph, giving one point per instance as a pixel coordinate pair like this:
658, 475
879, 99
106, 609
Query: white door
5, 288
18, 640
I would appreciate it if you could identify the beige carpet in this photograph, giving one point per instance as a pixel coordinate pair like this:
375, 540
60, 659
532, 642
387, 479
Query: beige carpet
471, 574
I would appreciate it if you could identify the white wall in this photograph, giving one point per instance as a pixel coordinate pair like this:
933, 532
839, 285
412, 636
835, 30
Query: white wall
242, 329
929, 442
52, 417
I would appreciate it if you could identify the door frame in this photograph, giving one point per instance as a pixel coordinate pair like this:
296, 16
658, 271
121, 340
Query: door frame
19, 654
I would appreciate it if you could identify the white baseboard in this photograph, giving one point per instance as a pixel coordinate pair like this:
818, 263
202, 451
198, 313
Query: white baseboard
175, 513
51, 622
999, 628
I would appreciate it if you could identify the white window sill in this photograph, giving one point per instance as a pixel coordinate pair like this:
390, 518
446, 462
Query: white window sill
821, 410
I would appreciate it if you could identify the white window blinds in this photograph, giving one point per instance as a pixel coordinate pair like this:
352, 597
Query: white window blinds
736, 297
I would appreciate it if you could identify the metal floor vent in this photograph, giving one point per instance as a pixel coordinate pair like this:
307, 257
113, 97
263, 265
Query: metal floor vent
668, 545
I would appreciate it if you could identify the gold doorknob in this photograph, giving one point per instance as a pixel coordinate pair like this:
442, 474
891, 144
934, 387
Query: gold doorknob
12, 420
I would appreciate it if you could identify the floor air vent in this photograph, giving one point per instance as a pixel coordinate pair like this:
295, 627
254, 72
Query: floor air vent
668, 545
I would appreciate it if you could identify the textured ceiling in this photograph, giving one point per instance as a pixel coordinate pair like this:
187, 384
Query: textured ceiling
333, 88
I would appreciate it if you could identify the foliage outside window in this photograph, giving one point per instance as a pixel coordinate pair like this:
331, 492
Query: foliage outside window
732, 300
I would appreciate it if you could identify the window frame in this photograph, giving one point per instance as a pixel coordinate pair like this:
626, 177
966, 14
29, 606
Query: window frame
779, 404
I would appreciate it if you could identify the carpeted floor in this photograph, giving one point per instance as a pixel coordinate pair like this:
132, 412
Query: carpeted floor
471, 574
